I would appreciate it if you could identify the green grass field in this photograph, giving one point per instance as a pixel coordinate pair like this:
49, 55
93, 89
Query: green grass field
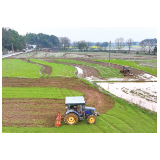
132, 65
58, 69
19, 68
122, 118
38, 92
106, 72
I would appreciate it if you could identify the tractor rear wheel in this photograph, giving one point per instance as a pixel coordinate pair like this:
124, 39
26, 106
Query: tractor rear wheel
91, 119
71, 119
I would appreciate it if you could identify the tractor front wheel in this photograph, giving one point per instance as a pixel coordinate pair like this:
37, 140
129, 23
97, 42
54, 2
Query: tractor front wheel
71, 119
91, 119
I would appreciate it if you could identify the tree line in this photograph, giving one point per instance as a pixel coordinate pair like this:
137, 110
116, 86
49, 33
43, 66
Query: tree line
42, 40
11, 40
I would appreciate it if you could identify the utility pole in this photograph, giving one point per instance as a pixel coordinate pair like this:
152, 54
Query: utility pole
109, 51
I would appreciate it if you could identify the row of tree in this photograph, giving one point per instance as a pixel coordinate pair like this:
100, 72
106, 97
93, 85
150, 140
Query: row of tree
42, 40
146, 44
65, 43
150, 45
11, 40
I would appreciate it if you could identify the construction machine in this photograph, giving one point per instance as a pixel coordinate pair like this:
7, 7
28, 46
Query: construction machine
75, 111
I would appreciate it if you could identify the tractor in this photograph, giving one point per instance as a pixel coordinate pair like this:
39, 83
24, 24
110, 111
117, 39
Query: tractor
126, 71
75, 111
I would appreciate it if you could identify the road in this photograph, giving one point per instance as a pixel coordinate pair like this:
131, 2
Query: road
12, 54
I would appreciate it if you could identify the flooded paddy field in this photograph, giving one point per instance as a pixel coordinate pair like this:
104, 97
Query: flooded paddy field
143, 94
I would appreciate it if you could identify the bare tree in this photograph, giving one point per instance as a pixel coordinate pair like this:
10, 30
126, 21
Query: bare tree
117, 41
151, 45
121, 43
64, 42
143, 45
129, 44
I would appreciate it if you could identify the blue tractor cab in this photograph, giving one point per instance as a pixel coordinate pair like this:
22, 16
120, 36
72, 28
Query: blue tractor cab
76, 110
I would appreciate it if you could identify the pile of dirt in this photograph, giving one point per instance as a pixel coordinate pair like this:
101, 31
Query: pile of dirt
41, 112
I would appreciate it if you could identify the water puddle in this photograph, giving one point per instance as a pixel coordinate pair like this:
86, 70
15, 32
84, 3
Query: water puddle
143, 94
94, 79
147, 77
80, 71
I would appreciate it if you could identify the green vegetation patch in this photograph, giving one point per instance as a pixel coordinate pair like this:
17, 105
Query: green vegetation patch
106, 72
58, 69
132, 65
38, 92
19, 68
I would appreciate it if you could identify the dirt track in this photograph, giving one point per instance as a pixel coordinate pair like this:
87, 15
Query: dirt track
40, 112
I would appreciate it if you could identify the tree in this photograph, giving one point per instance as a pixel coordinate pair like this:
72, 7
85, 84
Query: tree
82, 45
11, 38
129, 44
151, 43
104, 44
121, 42
155, 50
75, 44
88, 45
117, 41
98, 44
143, 45
64, 42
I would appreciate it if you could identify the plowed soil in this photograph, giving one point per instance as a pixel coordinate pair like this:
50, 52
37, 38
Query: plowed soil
41, 112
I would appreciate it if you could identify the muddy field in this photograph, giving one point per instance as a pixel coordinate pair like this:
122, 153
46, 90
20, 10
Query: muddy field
41, 112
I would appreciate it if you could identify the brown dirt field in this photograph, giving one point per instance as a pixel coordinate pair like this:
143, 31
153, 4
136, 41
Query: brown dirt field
41, 112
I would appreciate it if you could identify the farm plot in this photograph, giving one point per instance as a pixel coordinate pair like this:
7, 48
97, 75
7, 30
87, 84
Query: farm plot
19, 68
37, 115
24, 55
54, 55
38, 92
40, 55
104, 72
148, 63
142, 94
133, 65
31, 108
57, 69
